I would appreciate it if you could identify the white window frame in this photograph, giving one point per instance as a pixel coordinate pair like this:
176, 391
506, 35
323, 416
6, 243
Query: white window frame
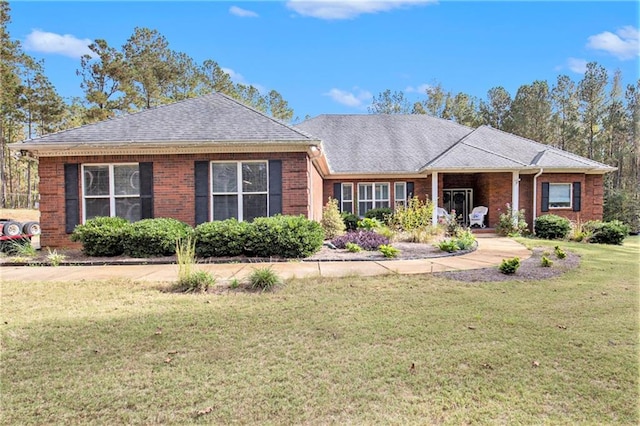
239, 192
346, 188
375, 202
400, 201
551, 206
112, 196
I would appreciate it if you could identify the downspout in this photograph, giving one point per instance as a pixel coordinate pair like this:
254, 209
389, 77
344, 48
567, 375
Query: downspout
535, 197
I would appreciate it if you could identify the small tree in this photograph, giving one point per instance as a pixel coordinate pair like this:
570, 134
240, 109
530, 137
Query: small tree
332, 222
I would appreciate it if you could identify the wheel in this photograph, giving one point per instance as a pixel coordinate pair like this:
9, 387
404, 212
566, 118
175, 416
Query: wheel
32, 228
11, 229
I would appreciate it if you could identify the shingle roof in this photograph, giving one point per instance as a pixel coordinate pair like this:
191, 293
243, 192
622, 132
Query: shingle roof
489, 148
379, 143
210, 118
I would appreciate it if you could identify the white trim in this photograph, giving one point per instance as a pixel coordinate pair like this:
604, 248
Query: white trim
239, 191
395, 194
111, 196
570, 206
434, 198
374, 200
515, 197
352, 200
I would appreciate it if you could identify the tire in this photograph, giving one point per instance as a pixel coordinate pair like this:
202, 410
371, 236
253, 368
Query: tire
11, 229
32, 228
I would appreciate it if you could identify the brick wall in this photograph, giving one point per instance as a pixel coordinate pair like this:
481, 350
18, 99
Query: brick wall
592, 193
173, 186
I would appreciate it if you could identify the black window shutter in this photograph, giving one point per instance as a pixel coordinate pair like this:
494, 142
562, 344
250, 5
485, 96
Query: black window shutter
545, 197
275, 187
409, 190
71, 200
146, 190
577, 196
337, 193
201, 183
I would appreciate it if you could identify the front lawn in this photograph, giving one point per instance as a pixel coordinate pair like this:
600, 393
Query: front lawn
322, 351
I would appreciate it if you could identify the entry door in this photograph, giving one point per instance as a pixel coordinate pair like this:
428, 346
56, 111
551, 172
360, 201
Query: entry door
460, 200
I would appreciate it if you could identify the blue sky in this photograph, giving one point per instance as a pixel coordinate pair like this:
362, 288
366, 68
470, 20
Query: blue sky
333, 57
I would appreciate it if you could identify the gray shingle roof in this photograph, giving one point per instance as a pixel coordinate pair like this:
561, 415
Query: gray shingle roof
489, 148
379, 143
211, 118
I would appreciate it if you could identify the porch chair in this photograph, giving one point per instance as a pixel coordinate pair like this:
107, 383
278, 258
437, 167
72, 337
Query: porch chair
442, 213
476, 217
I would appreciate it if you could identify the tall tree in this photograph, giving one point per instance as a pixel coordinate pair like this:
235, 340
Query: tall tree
615, 125
531, 112
389, 102
436, 100
496, 112
462, 109
277, 107
592, 96
565, 123
216, 79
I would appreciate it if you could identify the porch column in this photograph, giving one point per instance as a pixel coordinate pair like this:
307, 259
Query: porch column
515, 196
434, 198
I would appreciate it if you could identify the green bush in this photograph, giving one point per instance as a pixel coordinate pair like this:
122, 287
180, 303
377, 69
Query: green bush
196, 281
383, 214
560, 254
449, 245
623, 205
221, 238
545, 262
389, 251
102, 236
332, 222
264, 279
552, 227
416, 214
353, 248
350, 221
291, 237
506, 226
509, 266
465, 239
613, 232
369, 224
155, 237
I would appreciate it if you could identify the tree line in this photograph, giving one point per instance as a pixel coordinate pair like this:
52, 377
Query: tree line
595, 117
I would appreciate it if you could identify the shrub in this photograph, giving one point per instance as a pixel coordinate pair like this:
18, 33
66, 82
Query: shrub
560, 254
622, 205
353, 248
18, 247
449, 245
451, 225
465, 239
196, 282
221, 238
368, 240
369, 224
55, 258
506, 224
509, 266
545, 262
290, 237
416, 214
382, 214
350, 221
264, 279
102, 236
331, 222
389, 251
552, 227
613, 232
155, 237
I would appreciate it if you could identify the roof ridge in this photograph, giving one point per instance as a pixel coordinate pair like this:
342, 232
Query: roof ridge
446, 151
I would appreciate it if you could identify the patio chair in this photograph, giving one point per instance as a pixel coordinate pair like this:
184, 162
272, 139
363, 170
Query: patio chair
442, 213
476, 217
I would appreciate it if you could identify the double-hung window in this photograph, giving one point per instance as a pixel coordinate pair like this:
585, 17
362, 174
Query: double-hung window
559, 195
346, 199
372, 195
239, 189
111, 190
400, 194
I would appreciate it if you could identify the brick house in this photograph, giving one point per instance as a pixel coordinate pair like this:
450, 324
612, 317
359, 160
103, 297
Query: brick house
212, 158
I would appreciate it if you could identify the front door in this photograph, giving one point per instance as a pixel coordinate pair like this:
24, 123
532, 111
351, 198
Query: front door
460, 200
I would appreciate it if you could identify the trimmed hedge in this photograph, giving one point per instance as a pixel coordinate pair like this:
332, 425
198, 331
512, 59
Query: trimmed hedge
291, 237
552, 227
350, 221
368, 240
221, 238
155, 237
613, 232
102, 236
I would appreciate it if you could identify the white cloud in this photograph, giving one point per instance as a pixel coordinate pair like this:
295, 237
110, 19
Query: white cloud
243, 13
350, 99
236, 77
348, 9
67, 45
418, 89
579, 66
623, 44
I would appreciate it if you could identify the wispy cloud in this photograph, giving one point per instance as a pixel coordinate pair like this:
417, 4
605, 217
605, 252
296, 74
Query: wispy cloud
623, 44
422, 88
243, 13
348, 9
354, 99
67, 44
577, 65
236, 77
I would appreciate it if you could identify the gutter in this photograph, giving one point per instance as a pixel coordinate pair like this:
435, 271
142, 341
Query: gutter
535, 197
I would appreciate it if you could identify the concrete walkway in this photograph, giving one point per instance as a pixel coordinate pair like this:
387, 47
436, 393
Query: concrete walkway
491, 250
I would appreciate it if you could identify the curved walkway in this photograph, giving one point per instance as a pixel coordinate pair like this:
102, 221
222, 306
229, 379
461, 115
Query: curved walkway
490, 252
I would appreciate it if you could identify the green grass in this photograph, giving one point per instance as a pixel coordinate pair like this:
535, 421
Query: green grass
330, 350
